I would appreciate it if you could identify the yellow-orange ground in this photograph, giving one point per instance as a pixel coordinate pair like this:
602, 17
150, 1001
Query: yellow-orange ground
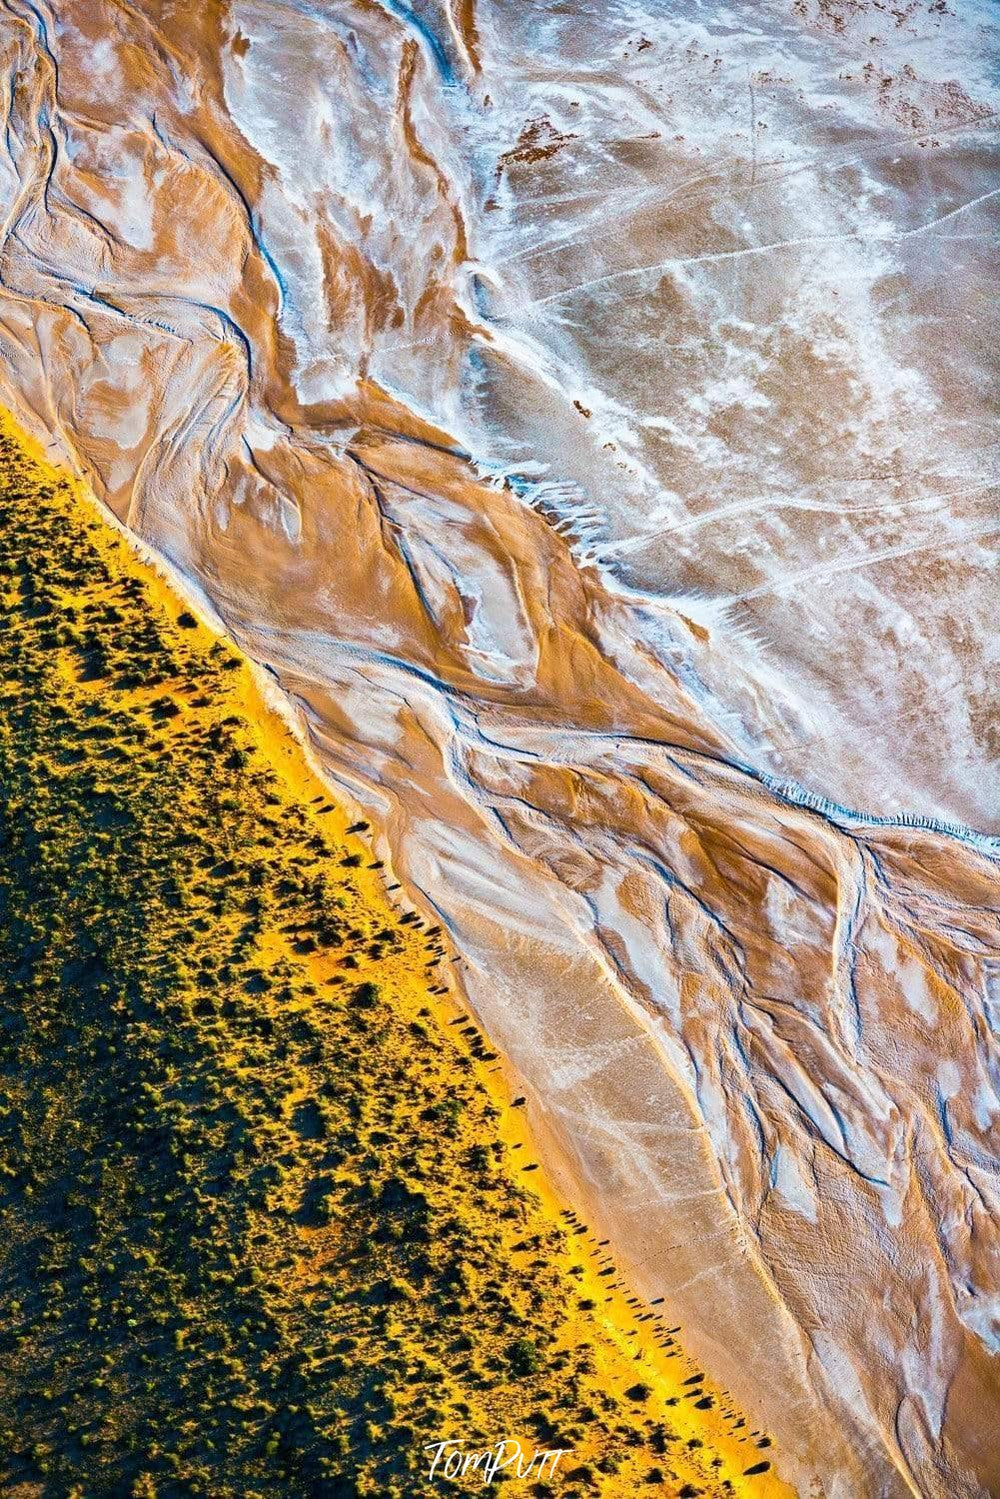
275, 1222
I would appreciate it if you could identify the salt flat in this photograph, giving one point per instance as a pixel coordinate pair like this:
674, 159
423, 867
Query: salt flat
584, 410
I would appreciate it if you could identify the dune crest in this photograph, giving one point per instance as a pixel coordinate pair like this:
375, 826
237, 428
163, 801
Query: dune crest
251, 288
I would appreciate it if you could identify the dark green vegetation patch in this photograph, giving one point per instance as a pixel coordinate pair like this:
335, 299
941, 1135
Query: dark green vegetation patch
260, 1237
